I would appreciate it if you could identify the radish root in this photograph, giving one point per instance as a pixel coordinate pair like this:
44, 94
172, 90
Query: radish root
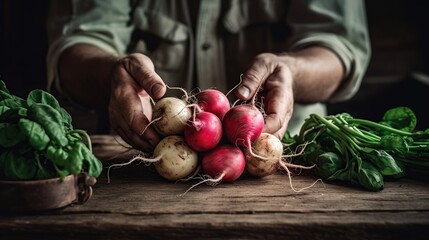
207, 180
139, 158
185, 94
238, 84
285, 167
150, 123
192, 176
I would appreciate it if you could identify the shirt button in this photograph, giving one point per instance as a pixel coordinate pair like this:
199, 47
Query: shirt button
206, 46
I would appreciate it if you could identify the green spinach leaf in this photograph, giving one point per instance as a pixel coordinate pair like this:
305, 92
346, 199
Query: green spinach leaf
35, 134
384, 163
50, 120
402, 118
10, 135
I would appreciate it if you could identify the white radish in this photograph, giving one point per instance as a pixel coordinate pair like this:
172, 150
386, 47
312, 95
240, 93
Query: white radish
170, 115
172, 157
266, 156
177, 159
269, 151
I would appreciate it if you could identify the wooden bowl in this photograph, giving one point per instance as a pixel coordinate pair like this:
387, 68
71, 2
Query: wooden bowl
46, 194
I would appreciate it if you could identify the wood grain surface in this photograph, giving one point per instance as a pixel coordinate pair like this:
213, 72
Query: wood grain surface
135, 203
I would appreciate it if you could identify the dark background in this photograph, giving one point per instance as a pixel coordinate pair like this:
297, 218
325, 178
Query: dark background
23, 45
398, 31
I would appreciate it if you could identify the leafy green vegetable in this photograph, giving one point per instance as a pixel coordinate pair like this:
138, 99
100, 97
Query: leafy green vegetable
17, 166
401, 118
369, 177
35, 134
9, 135
40, 96
360, 151
384, 162
50, 120
12, 115
37, 139
328, 164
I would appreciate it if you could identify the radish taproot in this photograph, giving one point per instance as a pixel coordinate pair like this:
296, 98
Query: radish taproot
214, 101
204, 132
172, 157
170, 116
243, 124
224, 163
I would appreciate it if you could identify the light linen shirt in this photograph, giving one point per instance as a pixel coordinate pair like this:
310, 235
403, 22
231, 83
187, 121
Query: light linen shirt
210, 43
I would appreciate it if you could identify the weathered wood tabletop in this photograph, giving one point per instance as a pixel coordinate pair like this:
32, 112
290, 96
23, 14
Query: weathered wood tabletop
138, 204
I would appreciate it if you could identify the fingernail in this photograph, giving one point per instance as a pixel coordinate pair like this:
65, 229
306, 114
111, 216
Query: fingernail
244, 91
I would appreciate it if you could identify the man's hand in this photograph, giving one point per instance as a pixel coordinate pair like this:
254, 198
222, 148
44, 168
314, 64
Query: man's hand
307, 76
133, 83
97, 79
274, 78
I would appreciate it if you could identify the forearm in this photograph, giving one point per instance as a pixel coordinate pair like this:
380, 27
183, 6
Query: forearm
316, 72
84, 73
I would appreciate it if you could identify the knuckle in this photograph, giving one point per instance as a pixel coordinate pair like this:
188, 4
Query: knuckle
251, 78
274, 123
265, 57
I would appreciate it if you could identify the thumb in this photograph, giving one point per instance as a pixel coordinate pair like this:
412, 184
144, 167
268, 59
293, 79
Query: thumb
254, 77
141, 68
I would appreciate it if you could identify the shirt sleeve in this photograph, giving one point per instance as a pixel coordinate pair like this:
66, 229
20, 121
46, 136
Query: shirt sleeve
339, 25
102, 23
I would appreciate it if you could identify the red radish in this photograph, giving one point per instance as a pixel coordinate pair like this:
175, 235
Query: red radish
224, 163
214, 101
170, 115
204, 132
243, 124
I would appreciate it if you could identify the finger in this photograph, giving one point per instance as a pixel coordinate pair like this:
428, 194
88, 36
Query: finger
127, 114
255, 76
133, 140
273, 120
278, 114
120, 123
142, 124
142, 70
279, 103
122, 134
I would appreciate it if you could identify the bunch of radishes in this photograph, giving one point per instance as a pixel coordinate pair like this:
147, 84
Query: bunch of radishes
227, 139
199, 128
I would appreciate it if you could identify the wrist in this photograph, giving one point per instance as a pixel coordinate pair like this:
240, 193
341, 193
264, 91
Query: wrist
316, 72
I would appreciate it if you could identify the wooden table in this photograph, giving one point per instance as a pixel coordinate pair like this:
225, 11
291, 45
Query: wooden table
138, 204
